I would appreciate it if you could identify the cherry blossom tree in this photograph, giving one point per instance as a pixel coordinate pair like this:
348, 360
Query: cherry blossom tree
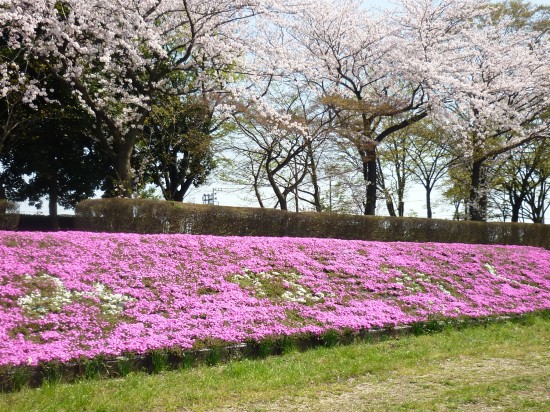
503, 100
118, 57
490, 86
352, 61
381, 74
477, 70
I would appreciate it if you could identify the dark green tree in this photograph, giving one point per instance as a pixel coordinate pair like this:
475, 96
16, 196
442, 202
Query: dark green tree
176, 149
54, 154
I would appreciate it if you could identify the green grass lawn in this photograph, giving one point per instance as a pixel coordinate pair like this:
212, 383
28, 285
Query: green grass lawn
497, 367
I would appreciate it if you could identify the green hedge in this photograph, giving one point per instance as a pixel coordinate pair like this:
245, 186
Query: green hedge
43, 223
154, 216
9, 217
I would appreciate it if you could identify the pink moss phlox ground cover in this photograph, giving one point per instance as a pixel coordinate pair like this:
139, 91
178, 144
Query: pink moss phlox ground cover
67, 295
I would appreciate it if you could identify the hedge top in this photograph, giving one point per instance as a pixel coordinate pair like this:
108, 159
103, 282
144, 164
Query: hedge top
156, 216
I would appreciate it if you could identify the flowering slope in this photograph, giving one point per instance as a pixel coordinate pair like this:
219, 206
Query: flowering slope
67, 295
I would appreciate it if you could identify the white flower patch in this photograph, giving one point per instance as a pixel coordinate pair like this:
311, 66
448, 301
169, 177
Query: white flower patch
413, 282
111, 303
50, 298
492, 270
51, 295
409, 283
297, 293
265, 284
442, 289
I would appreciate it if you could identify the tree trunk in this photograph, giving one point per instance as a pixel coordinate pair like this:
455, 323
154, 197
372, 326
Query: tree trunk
516, 207
402, 179
401, 209
122, 162
280, 197
314, 179
429, 202
370, 175
401, 202
516, 200
390, 206
283, 204
180, 194
478, 200
317, 196
52, 206
538, 213
258, 195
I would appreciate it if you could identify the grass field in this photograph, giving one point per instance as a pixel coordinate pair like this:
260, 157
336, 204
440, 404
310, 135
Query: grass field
484, 368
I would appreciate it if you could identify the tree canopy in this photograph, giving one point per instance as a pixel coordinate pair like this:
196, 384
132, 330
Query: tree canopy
142, 90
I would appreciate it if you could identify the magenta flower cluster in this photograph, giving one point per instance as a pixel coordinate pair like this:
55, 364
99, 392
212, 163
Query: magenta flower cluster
67, 295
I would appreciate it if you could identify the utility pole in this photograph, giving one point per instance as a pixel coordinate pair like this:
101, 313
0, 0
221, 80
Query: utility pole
210, 198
